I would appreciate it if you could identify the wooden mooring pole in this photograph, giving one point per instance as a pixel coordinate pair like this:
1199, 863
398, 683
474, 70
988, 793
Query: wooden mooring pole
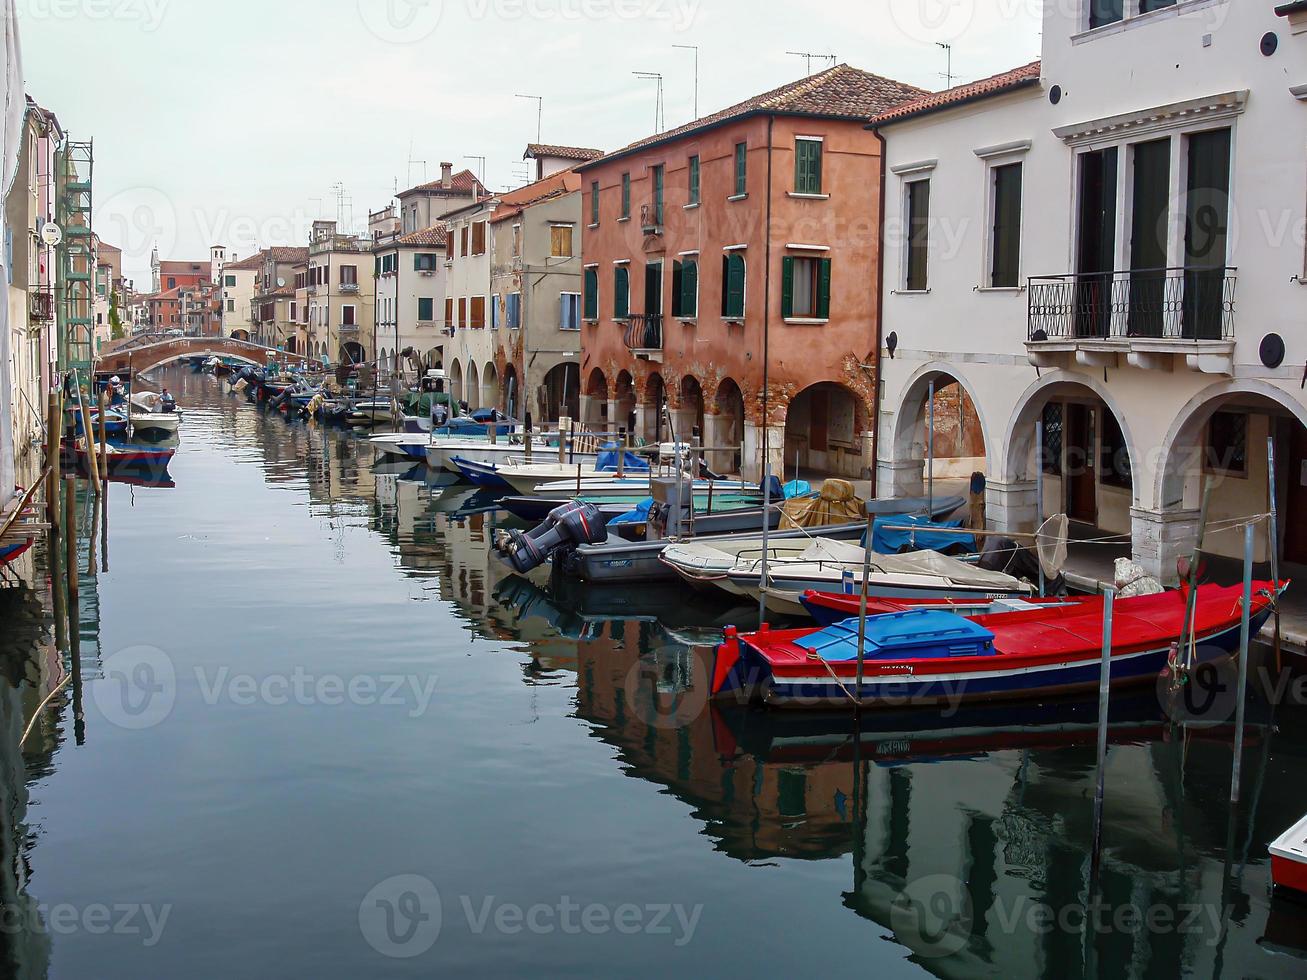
53, 432
1241, 707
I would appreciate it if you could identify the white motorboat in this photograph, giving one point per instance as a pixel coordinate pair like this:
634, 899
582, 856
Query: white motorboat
610, 485
403, 445
145, 414
441, 452
832, 566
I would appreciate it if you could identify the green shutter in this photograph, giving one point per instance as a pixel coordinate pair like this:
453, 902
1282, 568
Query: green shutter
741, 168
622, 287
626, 195
678, 283
690, 288
787, 286
694, 180
735, 271
594, 202
823, 295
726, 284
592, 294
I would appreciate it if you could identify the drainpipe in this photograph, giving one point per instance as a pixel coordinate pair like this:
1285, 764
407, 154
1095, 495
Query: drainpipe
878, 288
766, 400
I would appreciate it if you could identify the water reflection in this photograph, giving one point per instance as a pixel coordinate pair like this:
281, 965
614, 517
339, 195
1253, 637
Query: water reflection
963, 839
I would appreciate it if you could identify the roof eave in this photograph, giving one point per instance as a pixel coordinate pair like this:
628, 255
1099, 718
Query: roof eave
708, 127
969, 100
1287, 9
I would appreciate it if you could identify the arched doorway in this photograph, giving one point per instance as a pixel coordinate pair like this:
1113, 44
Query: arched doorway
456, 381
560, 394
472, 387
240, 335
1224, 435
490, 386
434, 359
824, 429
1088, 462
291, 345
353, 353
958, 444
690, 417
595, 404
726, 427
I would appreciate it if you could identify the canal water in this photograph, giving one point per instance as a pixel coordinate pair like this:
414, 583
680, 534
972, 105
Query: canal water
320, 730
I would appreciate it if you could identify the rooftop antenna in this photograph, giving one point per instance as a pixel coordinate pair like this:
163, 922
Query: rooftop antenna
411, 161
810, 57
695, 49
539, 100
344, 206
658, 108
481, 171
948, 71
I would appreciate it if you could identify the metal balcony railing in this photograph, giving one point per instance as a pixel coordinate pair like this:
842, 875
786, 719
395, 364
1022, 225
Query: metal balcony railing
1164, 304
645, 331
41, 306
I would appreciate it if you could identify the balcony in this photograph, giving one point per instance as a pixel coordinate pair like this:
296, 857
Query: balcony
349, 287
644, 334
651, 219
1154, 319
41, 307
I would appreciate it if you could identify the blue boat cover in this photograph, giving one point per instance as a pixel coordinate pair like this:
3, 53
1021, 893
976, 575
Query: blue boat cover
638, 516
608, 460
797, 488
914, 634
886, 542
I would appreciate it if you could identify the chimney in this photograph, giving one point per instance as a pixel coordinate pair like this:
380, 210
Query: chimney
446, 175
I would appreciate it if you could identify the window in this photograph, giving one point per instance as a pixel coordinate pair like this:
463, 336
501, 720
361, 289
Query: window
560, 241
685, 289
423, 261
1052, 463
1105, 12
463, 240
426, 309
231, 281
514, 311
733, 276
1114, 468
659, 177
1149, 232
592, 293
172, 283
626, 195
477, 313
449, 313
231, 306
805, 288
741, 169
1005, 262
462, 311
694, 180
294, 309
621, 292
1227, 444
479, 238
807, 166
495, 307
517, 241
347, 316
449, 247
918, 234
594, 202
349, 275
1206, 235
569, 312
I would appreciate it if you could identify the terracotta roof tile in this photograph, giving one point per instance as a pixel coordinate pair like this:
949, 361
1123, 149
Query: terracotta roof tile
1006, 81
841, 92
463, 183
562, 152
515, 202
433, 237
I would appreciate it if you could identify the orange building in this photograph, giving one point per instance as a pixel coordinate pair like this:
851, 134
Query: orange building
731, 276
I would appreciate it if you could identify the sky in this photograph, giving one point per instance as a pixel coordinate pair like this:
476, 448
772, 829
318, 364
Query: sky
239, 122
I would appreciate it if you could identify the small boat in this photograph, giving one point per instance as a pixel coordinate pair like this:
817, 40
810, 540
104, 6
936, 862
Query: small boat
404, 445
115, 422
931, 657
121, 460
12, 551
597, 486
1289, 859
829, 608
441, 452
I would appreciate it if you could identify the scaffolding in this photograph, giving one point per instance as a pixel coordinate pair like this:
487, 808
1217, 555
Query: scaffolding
74, 172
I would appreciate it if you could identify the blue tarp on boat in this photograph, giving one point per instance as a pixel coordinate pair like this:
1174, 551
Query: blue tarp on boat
638, 516
915, 634
797, 488
608, 460
886, 542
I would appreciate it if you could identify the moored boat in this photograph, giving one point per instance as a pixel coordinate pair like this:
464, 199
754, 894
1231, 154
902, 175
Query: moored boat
1289, 859
929, 656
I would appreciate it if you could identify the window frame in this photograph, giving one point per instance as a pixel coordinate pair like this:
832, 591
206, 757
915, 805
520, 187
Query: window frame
621, 303
800, 188
564, 294
740, 171
993, 171
1210, 461
589, 313
431, 308
626, 197
594, 204
819, 269
694, 181
910, 243
554, 229
728, 258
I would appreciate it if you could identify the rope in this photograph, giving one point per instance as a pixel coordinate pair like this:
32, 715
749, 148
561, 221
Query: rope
814, 655
41, 707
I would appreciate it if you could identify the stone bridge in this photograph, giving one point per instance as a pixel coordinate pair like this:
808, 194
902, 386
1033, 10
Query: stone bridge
144, 353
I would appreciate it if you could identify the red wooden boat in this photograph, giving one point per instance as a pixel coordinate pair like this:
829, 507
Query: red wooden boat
932, 656
1289, 859
828, 608
121, 460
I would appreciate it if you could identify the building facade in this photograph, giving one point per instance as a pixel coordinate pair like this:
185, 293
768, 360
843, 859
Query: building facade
731, 279
274, 311
470, 349
341, 296
422, 206
238, 278
1113, 259
410, 274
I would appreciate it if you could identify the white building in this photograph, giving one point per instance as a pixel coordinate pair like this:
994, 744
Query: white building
1111, 243
470, 349
410, 272
238, 290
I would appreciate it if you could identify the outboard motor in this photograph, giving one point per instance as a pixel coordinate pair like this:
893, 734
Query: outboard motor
566, 528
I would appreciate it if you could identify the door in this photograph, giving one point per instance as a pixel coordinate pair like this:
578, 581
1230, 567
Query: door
1081, 464
1295, 531
1096, 243
1206, 234
1149, 233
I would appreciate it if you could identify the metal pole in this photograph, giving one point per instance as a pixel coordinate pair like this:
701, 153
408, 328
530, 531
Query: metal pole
104, 434
1104, 702
862, 603
1039, 494
930, 456
70, 541
1274, 533
1244, 638
766, 520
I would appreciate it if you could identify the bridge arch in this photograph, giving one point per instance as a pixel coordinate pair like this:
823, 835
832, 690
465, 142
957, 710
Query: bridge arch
142, 357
